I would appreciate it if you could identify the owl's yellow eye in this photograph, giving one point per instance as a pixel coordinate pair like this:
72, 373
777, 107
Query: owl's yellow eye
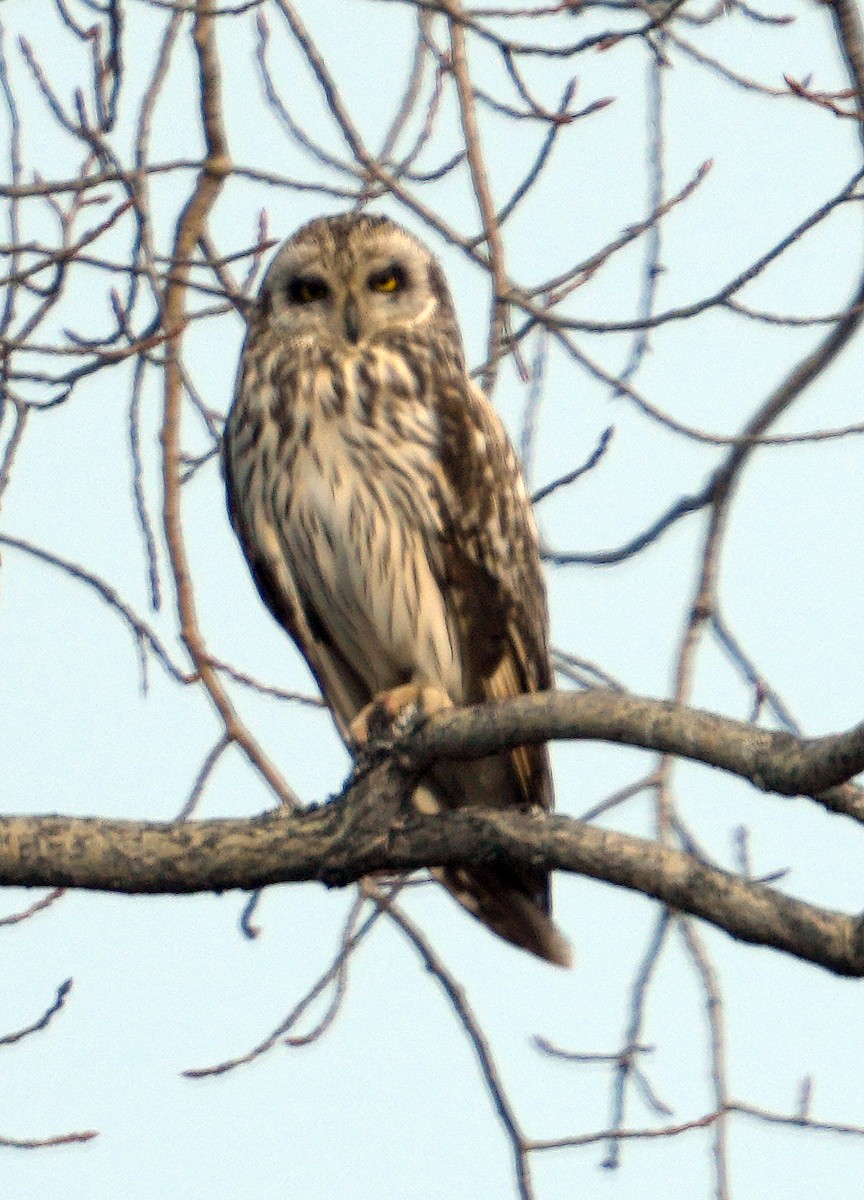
305, 289
389, 280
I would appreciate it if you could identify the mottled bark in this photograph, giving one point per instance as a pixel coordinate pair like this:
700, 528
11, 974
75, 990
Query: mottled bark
369, 829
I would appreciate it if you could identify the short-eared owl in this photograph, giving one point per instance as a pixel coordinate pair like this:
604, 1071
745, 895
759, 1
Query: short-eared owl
384, 517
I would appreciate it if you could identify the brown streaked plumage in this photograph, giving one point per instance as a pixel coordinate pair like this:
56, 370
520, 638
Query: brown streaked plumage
385, 520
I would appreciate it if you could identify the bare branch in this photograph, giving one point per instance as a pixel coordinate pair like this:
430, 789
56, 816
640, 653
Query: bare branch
9, 1039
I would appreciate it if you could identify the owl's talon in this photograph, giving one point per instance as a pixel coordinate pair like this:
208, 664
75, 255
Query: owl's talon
378, 728
393, 715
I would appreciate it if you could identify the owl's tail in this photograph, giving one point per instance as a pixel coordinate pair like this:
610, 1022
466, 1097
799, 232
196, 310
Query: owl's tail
511, 901
514, 907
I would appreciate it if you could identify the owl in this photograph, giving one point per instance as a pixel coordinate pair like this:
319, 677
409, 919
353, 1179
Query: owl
386, 523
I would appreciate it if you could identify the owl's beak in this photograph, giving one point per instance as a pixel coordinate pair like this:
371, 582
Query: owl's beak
351, 317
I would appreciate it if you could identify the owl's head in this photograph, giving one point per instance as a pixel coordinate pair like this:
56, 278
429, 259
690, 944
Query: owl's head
352, 279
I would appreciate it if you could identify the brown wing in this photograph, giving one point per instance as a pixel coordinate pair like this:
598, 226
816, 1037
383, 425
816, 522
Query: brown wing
491, 574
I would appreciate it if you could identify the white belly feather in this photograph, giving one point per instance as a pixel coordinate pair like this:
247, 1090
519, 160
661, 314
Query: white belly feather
358, 527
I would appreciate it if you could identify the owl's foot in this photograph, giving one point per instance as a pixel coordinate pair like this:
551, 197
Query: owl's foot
389, 717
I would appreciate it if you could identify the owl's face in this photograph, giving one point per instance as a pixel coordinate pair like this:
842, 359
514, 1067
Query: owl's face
347, 280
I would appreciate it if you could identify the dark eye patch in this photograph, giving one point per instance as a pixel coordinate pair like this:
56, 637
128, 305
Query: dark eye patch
388, 280
306, 289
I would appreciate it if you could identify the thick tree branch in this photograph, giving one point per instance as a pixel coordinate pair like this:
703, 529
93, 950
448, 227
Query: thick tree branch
370, 829
773, 761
